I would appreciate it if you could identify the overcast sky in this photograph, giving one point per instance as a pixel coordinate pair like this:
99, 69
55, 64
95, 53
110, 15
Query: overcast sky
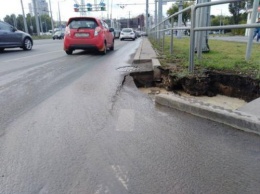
8, 7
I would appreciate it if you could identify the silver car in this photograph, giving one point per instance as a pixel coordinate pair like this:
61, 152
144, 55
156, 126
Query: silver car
127, 33
10, 37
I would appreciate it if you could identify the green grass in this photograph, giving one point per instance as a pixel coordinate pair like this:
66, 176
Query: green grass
223, 56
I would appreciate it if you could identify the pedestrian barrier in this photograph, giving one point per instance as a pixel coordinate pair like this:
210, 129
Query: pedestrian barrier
197, 25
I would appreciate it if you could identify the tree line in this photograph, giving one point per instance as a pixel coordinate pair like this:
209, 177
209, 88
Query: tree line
44, 22
237, 11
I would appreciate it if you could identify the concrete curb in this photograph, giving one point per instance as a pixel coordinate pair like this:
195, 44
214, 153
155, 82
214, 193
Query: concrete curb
237, 119
138, 53
138, 58
156, 71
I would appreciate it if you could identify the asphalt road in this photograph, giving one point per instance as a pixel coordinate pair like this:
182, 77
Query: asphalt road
75, 124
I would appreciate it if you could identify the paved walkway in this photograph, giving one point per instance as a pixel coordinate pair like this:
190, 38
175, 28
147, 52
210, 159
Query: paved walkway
232, 38
231, 111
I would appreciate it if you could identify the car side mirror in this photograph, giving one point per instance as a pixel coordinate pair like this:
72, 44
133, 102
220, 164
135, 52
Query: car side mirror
111, 30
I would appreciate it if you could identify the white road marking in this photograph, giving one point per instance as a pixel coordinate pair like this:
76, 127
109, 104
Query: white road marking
17, 59
121, 175
102, 189
126, 120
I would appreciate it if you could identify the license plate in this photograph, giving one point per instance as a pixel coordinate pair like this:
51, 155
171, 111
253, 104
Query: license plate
82, 34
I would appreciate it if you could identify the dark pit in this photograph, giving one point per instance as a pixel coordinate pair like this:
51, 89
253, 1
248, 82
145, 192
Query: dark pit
210, 83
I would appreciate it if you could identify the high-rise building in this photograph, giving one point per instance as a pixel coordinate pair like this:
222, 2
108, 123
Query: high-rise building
42, 7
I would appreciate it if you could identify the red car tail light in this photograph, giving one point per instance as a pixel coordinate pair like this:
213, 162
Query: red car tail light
67, 31
97, 30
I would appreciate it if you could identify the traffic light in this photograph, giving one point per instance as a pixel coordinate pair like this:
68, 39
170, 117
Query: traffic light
102, 6
76, 7
89, 7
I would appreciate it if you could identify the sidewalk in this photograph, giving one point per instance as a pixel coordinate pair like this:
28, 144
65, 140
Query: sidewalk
230, 111
232, 38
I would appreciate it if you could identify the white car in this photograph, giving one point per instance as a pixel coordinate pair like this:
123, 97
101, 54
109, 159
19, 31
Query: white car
127, 33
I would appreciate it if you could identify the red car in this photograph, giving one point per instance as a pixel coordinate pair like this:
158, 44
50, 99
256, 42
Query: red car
88, 33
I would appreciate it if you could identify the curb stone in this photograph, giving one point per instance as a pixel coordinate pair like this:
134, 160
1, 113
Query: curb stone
237, 119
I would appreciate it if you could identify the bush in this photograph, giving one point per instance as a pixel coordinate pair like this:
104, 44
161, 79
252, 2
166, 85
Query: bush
238, 32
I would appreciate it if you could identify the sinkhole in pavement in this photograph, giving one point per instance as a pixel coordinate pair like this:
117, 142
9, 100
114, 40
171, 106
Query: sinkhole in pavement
210, 83
142, 73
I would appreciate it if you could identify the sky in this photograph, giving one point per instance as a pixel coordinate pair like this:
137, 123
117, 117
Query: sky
8, 7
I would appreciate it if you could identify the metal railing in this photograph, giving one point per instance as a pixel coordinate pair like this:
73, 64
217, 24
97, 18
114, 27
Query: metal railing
158, 31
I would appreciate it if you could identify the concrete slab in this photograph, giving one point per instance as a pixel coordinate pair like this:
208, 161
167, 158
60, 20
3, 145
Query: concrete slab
252, 107
145, 52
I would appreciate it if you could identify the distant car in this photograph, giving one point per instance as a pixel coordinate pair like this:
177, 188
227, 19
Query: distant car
117, 33
127, 33
10, 37
88, 33
58, 35
137, 34
143, 34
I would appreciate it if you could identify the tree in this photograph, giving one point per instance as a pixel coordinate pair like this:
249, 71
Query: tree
236, 8
185, 16
46, 22
10, 19
20, 24
215, 20
31, 23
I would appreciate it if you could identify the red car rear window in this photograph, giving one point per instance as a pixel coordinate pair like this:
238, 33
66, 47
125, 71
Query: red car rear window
83, 23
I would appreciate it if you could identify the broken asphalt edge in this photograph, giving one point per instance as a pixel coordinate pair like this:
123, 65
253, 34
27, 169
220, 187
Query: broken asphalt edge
234, 118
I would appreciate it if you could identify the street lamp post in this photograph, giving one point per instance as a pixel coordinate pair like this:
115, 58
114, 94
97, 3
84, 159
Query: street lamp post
40, 17
220, 21
146, 16
128, 23
180, 18
52, 26
36, 16
24, 20
59, 15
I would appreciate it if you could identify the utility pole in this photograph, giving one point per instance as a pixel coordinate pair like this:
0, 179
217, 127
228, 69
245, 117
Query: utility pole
220, 21
107, 9
82, 13
111, 19
59, 15
201, 37
128, 23
52, 26
146, 16
180, 19
35, 6
160, 7
24, 20
155, 12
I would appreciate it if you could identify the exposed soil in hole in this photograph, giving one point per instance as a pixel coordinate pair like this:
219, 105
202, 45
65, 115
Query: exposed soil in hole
208, 83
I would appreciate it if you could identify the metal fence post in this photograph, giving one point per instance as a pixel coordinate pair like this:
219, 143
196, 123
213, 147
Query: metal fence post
192, 39
199, 34
163, 38
250, 36
171, 43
